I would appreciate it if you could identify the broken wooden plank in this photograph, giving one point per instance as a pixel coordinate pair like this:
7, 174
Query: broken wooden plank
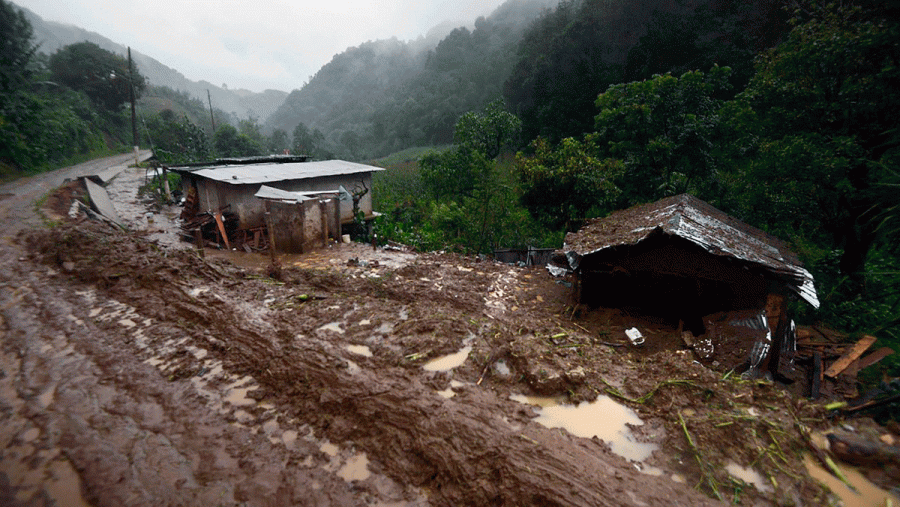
222, 229
874, 357
851, 355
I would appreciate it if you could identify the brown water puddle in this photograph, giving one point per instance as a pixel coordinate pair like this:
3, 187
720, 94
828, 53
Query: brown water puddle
603, 418
866, 494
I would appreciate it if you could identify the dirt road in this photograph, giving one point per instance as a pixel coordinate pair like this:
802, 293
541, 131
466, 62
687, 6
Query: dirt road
136, 373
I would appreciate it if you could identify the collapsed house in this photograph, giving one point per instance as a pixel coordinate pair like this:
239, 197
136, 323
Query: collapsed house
722, 281
293, 204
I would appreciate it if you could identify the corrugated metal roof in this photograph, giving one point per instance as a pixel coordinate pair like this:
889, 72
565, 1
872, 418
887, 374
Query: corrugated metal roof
692, 219
270, 173
266, 192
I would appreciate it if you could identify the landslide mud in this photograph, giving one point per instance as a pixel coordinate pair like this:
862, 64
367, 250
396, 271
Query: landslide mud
140, 374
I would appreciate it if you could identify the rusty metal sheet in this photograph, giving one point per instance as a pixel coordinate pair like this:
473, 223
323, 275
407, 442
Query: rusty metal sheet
690, 218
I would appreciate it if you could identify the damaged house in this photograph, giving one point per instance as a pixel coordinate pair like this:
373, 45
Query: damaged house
724, 283
299, 205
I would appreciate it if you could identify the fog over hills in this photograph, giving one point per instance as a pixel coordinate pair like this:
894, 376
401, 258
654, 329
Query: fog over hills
51, 36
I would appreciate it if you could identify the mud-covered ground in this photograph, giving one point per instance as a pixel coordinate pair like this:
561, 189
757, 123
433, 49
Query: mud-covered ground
136, 372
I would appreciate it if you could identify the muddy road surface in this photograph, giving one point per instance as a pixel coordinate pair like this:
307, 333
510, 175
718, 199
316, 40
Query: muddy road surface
135, 372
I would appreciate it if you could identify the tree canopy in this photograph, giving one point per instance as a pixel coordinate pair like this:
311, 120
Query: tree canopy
818, 124
102, 75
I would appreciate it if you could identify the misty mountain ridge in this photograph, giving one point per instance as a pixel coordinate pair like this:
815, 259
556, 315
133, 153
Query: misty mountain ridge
51, 36
389, 94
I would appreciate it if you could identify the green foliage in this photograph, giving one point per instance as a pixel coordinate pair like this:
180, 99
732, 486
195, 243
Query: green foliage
309, 142
17, 50
489, 131
663, 129
41, 124
228, 142
278, 141
818, 128
250, 129
177, 141
725, 33
490, 217
565, 184
104, 76
454, 172
568, 56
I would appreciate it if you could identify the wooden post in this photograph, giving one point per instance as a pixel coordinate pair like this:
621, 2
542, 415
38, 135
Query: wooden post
221, 225
302, 226
816, 381
268, 218
165, 181
337, 220
323, 216
198, 237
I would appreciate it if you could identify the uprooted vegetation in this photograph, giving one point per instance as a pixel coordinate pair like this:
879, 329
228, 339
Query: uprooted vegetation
291, 335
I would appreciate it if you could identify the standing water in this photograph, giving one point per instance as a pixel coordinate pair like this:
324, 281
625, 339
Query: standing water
603, 418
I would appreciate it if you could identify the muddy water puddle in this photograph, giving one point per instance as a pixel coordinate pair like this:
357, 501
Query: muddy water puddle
749, 476
451, 361
603, 418
866, 494
360, 350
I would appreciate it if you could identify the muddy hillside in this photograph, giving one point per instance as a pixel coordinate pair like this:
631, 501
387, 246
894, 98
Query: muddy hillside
137, 372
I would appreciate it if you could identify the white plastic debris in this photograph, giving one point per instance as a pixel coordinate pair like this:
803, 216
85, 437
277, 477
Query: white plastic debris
637, 339
556, 270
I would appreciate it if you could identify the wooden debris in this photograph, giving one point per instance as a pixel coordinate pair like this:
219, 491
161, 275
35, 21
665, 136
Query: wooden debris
816, 381
851, 355
874, 357
221, 225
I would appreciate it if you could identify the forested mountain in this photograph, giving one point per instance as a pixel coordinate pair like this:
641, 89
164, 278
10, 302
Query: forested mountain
548, 59
582, 47
52, 36
387, 95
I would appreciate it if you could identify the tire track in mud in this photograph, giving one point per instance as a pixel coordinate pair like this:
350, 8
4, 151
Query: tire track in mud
134, 438
472, 449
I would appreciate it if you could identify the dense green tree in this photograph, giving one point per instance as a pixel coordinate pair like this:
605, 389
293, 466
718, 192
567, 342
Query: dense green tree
38, 127
819, 139
228, 142
697, 37
309, 142
488, 131
102, 75
17, 51
177, 141
251, 129
565, 184
480, 137
278, 141
453, 172
664, 131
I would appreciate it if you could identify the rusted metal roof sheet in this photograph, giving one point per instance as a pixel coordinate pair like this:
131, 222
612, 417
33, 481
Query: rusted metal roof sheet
692, 219
251, 174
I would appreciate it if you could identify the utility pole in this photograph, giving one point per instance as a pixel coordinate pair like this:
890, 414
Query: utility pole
134, 133
211, 118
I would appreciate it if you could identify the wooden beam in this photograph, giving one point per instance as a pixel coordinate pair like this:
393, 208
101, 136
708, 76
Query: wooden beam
851, 355
222, 229
874, 357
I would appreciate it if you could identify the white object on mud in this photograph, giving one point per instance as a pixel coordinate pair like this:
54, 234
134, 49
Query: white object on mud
637, 339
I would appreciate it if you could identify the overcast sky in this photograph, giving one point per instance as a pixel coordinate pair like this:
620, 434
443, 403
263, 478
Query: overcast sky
258, 44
